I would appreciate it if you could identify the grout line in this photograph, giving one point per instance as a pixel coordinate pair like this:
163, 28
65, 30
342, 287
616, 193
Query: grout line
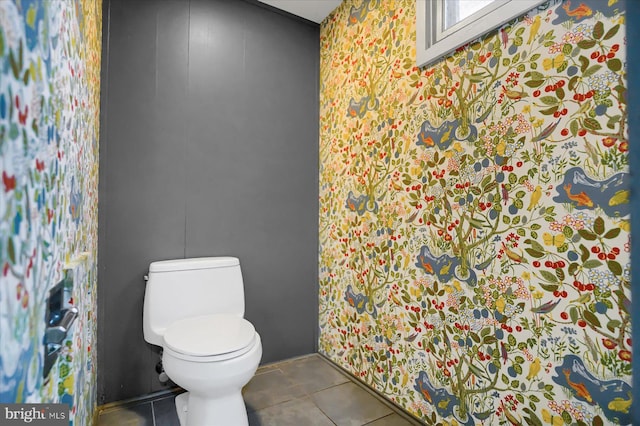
153, 414
395, 408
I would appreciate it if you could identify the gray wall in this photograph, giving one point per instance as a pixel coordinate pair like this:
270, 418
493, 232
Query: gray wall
209, 147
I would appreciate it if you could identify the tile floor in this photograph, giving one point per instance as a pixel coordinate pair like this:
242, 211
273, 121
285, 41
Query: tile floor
305, 391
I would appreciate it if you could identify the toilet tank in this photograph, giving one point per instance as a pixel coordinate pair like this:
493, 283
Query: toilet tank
185, 288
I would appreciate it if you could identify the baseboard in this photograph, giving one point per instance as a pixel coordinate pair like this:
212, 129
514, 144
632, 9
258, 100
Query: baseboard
137, 400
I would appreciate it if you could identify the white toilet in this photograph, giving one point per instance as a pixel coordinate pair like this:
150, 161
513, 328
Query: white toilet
194, 309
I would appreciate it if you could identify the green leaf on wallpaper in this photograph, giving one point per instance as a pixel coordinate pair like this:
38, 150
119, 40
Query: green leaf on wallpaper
447, 72
518, 41
566, 49
549, 276
584, 252
614, 64
14, 65
612, 233
488, 340
573, 82
11, 250
534, 83
477, 78
591, 264
567, 417
587, 235
591, 318
591, 123
598, 30
549, 111
560, 274
584, 63
560, 90
598, 225
573, 314
549, 100
591, 71
614, 267
586, 44
573, 267
574, 127
534, 244
613, 31
567, 231
534, 253
613, 324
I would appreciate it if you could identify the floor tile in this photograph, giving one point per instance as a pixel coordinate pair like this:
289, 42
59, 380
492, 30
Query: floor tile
313, 373
270, 388
299, 412
392, 420
164, 411
349, 405
136, 415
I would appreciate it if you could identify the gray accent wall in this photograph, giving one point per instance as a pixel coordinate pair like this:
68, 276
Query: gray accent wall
209, 147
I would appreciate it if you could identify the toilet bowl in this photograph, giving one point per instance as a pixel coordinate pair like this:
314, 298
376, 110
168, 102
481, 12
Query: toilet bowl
209, 349
213, 357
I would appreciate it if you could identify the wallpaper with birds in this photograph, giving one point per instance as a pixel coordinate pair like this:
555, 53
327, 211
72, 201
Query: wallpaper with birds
50, 55
474, 215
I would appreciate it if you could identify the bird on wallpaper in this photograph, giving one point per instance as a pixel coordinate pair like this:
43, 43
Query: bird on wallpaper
513, 255
534, 369
535, 198
503, 353
546, 132
510, 416
505, 38
515, 95
546, 308
505, 194
535, 27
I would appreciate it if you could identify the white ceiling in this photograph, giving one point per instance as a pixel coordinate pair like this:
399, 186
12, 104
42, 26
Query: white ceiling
313, 10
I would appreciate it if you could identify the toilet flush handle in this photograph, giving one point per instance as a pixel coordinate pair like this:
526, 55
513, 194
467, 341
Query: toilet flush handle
145, 278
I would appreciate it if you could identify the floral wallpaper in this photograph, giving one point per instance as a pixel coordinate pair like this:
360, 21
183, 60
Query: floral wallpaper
474, 215
49, 121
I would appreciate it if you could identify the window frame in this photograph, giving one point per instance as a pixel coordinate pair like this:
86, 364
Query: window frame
432, 42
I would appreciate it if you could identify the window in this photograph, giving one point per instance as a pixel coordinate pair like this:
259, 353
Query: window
444, 25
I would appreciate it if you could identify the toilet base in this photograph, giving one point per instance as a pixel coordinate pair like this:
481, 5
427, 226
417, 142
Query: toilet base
224, 411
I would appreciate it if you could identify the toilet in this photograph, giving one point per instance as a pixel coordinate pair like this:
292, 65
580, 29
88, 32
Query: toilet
194, 310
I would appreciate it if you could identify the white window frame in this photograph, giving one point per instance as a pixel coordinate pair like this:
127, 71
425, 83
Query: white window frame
432, 42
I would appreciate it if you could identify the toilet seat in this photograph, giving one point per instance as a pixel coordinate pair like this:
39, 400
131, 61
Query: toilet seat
210, 338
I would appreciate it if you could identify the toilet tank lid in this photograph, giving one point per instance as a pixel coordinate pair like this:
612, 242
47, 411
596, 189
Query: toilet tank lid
193, 264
